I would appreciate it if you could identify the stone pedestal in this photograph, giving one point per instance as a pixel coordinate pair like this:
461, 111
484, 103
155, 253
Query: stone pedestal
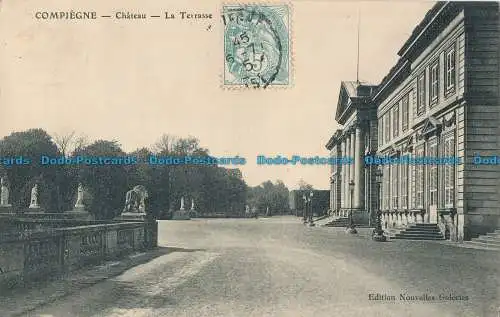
34, 211
79, 214
132, 216
181, 215
6, 209
193, 213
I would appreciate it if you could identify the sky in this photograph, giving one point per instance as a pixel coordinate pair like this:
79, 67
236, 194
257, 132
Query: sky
134, 80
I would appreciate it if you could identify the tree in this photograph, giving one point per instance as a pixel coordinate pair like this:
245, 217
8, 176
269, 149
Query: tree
29, 146
269, 195
107, 184
69, 142
305, 186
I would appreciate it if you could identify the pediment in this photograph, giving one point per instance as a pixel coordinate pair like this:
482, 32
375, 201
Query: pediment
431, 125
392, 151
408, 146
343, 102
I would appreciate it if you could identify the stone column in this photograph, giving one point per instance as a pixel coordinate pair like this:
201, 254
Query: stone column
352, 173
332, 192
359, 175
345, 172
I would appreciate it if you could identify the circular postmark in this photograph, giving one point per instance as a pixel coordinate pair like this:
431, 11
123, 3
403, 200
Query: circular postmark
255, 45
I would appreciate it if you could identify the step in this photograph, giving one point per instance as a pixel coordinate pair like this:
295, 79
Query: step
417, 238
487, 241
402, 236
418, 224
338, 222
493, 234
430, 234
482, 245
422, 229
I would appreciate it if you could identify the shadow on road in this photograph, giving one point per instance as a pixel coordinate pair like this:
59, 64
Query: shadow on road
23, 299
173, 249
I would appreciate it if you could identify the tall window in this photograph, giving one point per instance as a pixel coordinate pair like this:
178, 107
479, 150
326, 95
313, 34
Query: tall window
387, 127
405, 112
387, 182
380, 130
395, 121
434, 84
450, 70
449, 171
419, 178
433, 175
394, 183
421, 94
404, 186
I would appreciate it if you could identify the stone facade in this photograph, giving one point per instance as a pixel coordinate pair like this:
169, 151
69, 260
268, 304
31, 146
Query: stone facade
350, 181
441, 99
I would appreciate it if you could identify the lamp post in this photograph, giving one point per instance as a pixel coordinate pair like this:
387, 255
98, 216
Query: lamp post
351, 228
378, 233
304, 218
311, 222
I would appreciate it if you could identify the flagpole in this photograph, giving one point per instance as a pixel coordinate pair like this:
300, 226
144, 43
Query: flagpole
357, 58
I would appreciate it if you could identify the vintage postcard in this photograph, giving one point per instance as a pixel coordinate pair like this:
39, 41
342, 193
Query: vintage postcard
295, 158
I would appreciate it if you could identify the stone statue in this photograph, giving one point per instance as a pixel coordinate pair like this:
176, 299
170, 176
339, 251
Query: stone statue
4, 193
79, 197
34, 197
192, 204
182, 203
135, 199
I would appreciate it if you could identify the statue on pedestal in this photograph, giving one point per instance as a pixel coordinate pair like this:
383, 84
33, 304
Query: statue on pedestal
34, 197
4, 193
182, 203
192, 204
135, 200
79, 197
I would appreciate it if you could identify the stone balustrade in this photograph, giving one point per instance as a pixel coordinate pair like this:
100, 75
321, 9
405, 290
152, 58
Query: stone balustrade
37, 253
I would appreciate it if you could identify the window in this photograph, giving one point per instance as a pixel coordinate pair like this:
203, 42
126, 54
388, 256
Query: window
386, 187
434, 84
395, 121
380, 131
449, 171
433, 175
419, 178
450, 71
387, 127
394, 183
405, 112
366, 140
421, 94
404, 186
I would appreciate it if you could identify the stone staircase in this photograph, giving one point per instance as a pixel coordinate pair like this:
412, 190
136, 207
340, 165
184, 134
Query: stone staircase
419, 231
321, 222
489, 241
343, 222
338, 222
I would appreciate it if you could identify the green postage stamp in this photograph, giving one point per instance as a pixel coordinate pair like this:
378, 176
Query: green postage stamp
256, 45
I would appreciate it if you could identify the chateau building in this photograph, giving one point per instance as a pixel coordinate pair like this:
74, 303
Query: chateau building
441, 99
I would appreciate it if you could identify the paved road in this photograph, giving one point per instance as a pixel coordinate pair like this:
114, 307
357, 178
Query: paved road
278, 267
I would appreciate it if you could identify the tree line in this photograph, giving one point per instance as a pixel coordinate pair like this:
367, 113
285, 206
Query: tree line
214, 189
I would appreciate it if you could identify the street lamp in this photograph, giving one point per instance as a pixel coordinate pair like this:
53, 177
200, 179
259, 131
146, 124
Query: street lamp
311, 222
378, 233
351, 228
304, 218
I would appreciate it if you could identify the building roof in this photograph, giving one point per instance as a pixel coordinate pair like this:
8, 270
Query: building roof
439, 15
350, 93
428, 18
